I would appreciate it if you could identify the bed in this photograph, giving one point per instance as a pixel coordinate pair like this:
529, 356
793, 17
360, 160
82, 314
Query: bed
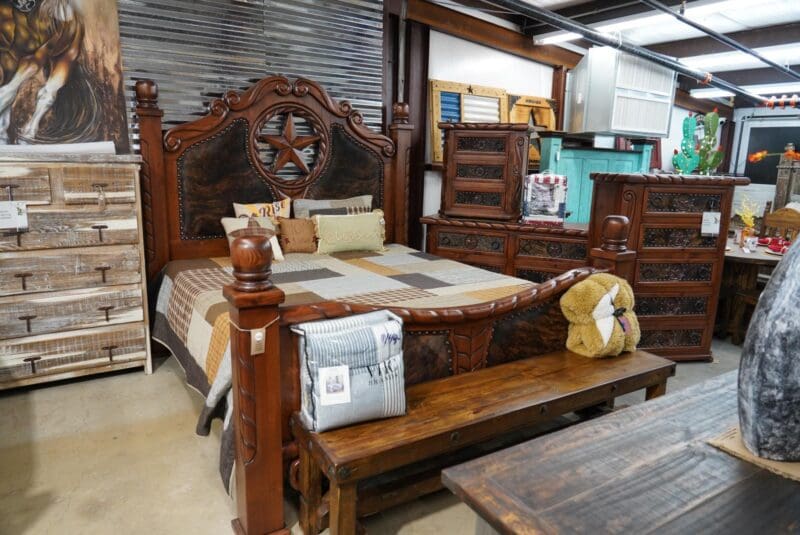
457, 318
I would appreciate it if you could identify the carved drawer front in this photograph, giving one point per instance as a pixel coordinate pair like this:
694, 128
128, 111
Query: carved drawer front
686, 237
672, 202
22, 360
472, 242
479, 198
551, 249
481, 144
669, 272
29, 184
659, 305
25, 315
66, 269
671, 338
479, 171
96, 184
50, 229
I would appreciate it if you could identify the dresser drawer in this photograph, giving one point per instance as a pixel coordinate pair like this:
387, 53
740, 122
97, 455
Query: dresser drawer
25, 315
674, 201
50, 228
467, 241
94, 184
29, 184
23, 360
676, 236
544, 248
666, 274
67, 269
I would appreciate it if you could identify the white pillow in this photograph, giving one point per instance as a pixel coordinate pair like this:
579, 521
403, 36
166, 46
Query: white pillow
232, 224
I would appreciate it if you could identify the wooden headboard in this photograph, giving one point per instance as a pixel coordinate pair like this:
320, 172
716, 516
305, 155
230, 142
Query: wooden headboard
193, 173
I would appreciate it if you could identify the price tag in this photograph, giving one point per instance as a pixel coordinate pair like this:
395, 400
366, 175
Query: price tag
710, 225
334, 385
13, 215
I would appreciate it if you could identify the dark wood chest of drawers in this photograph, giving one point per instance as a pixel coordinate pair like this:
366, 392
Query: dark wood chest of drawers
524, 251
678, 270
484, 165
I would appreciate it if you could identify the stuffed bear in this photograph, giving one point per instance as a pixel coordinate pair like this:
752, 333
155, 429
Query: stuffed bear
601, 318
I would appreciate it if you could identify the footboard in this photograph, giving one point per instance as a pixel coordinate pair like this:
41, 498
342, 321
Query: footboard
438, 343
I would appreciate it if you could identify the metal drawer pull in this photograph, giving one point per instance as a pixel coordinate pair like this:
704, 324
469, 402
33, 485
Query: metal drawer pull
32, 362
106, 309
455, 436
101, 194
99, 229
110, 350
23, 276
27, 320
10, 188
102, 270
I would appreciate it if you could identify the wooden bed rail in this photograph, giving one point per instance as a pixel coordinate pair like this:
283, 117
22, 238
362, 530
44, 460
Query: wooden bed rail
256, 369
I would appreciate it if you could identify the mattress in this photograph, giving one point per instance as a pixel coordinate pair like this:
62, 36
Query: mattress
191, 315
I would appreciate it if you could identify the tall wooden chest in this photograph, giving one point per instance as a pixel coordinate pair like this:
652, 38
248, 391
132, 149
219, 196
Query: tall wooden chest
72, 290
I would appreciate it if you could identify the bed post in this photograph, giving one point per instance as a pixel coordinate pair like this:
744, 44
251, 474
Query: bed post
253, 304
400, 132
613, 253
154, 194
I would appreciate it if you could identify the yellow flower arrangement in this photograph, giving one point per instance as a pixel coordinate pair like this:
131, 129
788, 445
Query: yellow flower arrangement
747, 212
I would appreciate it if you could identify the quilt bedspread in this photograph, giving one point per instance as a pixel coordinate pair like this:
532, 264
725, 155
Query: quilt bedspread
191, 315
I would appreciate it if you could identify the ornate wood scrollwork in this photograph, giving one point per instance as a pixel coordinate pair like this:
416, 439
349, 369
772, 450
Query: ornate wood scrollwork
668, 272
677, 237
488, 172
552, 249
475, 242
671, 338
481, 144
671, 306
471, 345
662, 201
481, 198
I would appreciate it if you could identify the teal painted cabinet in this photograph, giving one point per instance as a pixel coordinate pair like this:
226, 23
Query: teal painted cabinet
577, 163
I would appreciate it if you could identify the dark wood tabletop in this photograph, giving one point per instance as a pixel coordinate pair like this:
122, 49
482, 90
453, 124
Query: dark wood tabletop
644, 469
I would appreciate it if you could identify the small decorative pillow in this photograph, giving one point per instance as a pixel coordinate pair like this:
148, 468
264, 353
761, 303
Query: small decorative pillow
232, 224
601, 318
312, 207
297, 235
272, 210
340, 233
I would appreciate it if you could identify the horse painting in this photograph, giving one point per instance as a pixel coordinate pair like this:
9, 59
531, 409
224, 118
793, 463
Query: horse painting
56, 85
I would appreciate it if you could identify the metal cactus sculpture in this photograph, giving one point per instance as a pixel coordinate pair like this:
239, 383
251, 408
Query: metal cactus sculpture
710, 153
704, 156
687, 160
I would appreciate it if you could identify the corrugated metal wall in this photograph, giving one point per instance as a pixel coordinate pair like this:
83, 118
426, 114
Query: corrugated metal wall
197, 49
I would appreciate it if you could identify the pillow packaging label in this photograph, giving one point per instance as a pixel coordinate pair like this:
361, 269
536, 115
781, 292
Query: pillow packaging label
334, 385
13, 215
710, 225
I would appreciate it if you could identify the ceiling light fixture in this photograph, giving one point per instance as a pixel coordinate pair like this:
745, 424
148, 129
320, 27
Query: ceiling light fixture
760, 89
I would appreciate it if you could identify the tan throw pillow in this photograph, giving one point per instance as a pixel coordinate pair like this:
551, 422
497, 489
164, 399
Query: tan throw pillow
232, 224
297, 235
272, 210
312, 207
339, 233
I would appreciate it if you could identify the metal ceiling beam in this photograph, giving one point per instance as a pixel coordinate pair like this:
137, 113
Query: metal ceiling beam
618, 42
756, 38
722, 38
597, 11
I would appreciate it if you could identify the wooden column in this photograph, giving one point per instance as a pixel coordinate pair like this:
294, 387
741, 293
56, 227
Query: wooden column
253, 303
400, 132
558, 93
613, 253
154, 196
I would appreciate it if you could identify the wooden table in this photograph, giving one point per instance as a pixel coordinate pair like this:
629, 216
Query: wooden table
739, 275
643, 469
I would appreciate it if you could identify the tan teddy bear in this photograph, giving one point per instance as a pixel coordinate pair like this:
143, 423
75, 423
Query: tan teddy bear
601, 318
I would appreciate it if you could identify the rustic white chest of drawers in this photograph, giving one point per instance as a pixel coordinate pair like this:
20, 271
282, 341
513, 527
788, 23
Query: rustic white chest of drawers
73, 297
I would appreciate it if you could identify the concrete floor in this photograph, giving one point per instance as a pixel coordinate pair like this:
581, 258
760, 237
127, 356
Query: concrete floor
118, 454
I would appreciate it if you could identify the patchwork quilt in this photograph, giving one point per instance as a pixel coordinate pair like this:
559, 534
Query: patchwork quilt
191, 315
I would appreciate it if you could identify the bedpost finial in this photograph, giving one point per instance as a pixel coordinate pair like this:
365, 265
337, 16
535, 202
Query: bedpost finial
400, 113
614, 236
146, 93
251, 258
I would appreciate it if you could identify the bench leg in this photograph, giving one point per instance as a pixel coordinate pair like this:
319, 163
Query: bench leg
310, 491
343, 509
655, 391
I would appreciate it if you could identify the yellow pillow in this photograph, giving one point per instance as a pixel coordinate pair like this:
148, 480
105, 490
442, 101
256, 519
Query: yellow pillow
272, 210
339, 233
232, 224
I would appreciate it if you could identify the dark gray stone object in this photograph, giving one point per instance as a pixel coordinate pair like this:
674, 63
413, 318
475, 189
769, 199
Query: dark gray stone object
769, 373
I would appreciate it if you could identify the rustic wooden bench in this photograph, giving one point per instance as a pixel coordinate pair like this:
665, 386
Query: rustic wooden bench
455, 412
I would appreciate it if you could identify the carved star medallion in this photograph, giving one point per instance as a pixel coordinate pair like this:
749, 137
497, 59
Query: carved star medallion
289, 146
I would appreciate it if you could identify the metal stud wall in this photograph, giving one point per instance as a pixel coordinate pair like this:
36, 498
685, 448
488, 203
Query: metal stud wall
198, 49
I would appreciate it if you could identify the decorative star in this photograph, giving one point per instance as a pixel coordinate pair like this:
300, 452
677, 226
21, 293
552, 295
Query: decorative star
289, 146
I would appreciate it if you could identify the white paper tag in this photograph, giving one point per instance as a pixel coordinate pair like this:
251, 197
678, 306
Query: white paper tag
13, 215
334, 385
710, 226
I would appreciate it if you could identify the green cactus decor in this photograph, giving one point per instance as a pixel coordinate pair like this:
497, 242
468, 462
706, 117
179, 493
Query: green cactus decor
710, 154
687, 160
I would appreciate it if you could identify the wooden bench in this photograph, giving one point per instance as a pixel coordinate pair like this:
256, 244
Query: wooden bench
451, 413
